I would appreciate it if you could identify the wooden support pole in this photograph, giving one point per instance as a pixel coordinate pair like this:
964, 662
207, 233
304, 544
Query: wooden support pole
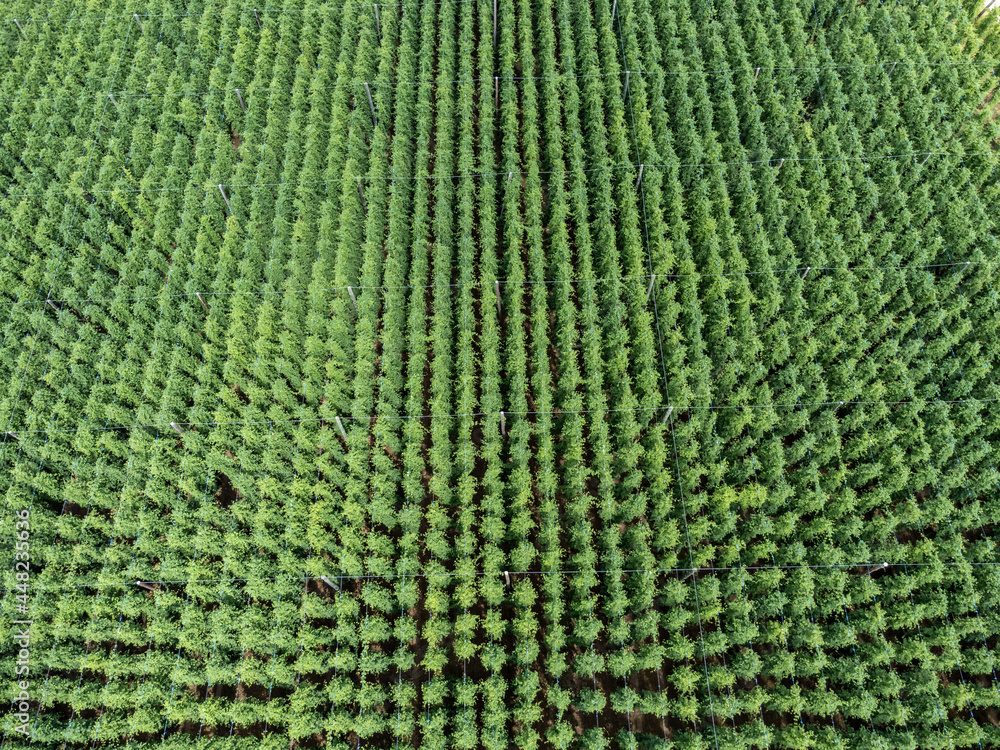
496, 88
756, 73
926, 158
178, 429
503, 425
340, 424
50, 304
361, 192
627, 72
138, 22
667, 415
329, 583
371, 106
780, 165
808, 269
198, 295
650, 290
145, 585
506, 577
226, 199
496, 287
378, 22
18, 24
754, 81
12, 434
494, 23
112, 98
893, 68
614, 10
258, 18
638, 180
242, 105
350, 291
509, 175
986, 8
869, 569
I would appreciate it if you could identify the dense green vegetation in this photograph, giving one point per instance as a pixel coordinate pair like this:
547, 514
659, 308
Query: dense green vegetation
622, 377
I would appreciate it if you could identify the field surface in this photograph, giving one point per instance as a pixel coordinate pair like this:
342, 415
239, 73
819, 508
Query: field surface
546, 374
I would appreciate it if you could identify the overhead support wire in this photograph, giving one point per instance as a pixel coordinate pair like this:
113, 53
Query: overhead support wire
597, 280
708, 569
464, 415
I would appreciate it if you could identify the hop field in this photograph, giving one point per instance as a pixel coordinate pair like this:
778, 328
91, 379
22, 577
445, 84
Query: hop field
467, 374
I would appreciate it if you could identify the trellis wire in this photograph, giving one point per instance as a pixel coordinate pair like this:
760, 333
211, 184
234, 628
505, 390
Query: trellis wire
768, 162
483, 284
479, 574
